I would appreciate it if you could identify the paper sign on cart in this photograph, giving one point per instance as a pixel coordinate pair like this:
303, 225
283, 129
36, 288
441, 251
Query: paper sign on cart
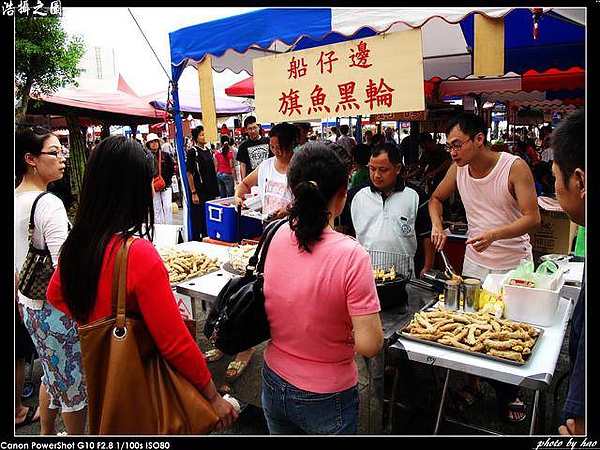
184, 303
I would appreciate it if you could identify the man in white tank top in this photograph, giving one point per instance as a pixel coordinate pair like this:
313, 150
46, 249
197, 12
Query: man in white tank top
499, 196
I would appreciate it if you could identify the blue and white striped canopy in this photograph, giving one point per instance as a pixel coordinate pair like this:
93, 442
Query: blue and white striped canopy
448, 36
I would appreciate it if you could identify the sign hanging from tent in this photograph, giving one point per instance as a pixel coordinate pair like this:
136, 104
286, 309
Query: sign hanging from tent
380, 74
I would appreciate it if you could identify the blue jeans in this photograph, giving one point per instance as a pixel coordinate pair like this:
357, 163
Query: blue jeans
290, 410
225, 181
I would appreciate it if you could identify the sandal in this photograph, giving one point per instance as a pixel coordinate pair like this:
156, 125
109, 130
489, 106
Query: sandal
465, 398
512, 409
238, 365
213, 354
30, 417
226, 389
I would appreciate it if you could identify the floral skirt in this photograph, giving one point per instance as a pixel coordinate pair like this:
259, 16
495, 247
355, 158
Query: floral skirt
57, 343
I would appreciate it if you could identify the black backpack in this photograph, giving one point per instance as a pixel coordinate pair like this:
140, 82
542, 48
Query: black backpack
238, 320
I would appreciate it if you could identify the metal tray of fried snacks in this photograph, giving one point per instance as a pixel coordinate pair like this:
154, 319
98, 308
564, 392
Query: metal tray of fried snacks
478, 334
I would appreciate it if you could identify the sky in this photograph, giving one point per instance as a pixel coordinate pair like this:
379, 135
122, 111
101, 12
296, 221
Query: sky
115, 28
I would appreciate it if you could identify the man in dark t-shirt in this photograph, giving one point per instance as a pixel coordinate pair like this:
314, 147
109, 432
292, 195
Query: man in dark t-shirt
569, 146
253, 150
202, 178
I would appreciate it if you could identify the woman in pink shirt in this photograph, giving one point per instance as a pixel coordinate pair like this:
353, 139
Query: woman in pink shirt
321, 302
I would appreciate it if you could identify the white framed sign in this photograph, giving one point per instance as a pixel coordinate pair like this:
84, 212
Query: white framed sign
379, 74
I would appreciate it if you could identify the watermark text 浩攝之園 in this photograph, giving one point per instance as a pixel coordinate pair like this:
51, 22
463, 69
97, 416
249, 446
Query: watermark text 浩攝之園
34, 8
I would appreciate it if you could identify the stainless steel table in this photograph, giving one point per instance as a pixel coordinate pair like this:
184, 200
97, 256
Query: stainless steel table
204, 288
535, 374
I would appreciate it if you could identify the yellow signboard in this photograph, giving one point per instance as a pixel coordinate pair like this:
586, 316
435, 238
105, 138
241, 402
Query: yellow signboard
380, 74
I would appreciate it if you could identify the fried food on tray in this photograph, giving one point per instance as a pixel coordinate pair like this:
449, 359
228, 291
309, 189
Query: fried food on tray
508, 354
478, 332
182, 264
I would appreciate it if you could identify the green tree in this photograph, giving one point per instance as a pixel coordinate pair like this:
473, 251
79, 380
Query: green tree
46, 58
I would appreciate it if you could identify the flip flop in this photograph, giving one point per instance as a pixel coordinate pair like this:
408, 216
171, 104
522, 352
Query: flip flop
238, 365
29, 417
225, 389
213, 354
516, 406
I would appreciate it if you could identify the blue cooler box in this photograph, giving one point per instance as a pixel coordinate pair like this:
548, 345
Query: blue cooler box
222, 222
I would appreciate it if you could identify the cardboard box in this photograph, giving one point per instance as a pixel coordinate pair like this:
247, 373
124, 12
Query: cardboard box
556, 233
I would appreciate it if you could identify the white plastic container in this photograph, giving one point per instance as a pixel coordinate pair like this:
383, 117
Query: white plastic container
531, 305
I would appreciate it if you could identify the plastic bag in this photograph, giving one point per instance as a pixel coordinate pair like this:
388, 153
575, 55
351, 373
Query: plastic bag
524, 275
548, 273
544, 277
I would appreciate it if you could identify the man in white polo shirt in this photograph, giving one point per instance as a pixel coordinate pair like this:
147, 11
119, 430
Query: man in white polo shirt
389, 215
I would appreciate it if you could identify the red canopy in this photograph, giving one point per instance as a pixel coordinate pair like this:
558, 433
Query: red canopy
243, 88
118, 107
551, 80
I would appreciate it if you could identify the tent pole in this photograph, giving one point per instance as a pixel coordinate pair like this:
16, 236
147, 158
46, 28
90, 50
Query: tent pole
207, 99
180, 148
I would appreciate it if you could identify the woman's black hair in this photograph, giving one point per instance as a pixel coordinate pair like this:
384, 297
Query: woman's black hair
116, 198
287, 135
315, 174
28, 140
225, 145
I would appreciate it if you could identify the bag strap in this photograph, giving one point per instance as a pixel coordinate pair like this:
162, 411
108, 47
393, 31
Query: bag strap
31, 217
159, 162
257, 261
119, 285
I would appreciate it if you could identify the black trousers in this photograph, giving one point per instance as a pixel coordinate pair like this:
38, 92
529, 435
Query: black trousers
198, 219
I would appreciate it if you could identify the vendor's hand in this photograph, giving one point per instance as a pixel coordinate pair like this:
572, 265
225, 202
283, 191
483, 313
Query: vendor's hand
573, 427
278, 214
438, 238
481, 241
195, 198
226, 412
423, 270
239, 201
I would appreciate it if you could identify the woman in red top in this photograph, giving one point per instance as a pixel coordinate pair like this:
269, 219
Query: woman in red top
81, 286
225, 168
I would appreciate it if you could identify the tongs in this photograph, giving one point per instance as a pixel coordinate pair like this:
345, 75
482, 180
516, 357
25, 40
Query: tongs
449, 272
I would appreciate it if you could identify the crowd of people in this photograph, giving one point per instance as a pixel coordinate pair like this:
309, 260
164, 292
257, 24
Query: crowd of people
342, 199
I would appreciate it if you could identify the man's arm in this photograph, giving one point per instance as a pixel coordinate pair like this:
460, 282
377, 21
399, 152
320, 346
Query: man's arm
436, 208
244, 160
242, 170
190, 178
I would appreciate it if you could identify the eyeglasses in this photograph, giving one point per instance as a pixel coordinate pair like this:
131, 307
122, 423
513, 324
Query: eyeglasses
40, 130
55, 153
456, 146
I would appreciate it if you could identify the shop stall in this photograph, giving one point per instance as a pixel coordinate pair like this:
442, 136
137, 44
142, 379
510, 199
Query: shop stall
451, 42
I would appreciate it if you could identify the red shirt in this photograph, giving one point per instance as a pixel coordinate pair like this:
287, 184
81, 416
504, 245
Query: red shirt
149, 293
223, 165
